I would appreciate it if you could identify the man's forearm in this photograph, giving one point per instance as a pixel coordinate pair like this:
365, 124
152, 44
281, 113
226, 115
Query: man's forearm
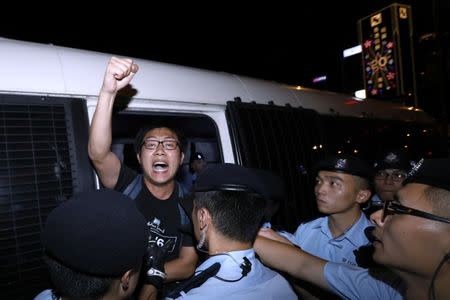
178, 269
148, 292
290, 259
100, 136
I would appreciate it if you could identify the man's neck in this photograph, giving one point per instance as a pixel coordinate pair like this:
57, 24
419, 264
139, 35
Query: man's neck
161, 192
340, 223
219, 244
418, 287
109, 296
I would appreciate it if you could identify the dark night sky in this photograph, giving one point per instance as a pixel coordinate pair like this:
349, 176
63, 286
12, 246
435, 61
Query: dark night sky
286, 43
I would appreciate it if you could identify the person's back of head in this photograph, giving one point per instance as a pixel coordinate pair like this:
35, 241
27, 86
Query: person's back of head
94, 246
233, 195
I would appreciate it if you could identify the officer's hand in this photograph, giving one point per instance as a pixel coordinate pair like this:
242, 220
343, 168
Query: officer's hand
155, 264
271, 234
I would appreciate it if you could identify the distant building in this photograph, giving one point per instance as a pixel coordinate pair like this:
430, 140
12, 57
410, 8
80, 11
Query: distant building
387, 54
352, 72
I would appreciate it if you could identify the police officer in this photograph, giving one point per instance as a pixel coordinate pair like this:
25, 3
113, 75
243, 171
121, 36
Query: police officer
342, 186
196, 165
390, 168
94, 247
412, 239
228, 209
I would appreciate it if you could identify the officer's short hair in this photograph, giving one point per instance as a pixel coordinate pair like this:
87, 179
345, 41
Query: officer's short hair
235, 214
235, 197
436, 174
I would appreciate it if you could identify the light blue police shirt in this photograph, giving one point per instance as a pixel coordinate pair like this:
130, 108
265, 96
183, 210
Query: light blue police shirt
376, 201
187, 181
350, 282
45, 295
260, 283
315, 238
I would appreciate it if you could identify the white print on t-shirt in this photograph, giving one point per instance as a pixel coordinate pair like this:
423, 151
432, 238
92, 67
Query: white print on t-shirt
155, 225
160, 240
157, 235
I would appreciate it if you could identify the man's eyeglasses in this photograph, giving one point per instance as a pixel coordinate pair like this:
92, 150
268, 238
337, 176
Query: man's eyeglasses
392, 208
394, 175
152, 144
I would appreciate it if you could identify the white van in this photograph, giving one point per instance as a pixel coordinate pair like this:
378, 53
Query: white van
48, 95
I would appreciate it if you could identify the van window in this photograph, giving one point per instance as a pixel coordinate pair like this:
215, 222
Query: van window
200, 133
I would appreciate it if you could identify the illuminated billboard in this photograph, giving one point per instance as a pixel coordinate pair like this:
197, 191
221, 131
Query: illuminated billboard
387, 52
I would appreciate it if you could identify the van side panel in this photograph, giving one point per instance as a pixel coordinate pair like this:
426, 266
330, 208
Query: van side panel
281, 139
43, 161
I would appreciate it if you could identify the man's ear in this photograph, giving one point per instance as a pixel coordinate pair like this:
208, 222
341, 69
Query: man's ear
182, 158
138, 157
125, 281
203, 217
363, 196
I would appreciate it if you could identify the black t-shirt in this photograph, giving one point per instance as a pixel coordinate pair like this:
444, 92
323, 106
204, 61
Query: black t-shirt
162, 216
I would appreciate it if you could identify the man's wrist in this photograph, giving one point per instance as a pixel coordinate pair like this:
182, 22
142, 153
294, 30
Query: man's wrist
154, 272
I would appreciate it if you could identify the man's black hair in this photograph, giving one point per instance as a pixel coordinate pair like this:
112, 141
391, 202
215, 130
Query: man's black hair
75, 285
139, 139
235, 214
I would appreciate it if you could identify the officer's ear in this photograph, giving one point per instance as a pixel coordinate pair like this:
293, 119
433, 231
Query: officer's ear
363, 196
125, 280
203, 217
125, 284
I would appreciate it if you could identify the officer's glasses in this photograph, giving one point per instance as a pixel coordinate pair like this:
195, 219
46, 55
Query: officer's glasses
152, 144
396, 176
393, 208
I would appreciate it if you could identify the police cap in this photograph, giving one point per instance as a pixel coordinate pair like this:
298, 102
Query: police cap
99, 233
345, 164
393, 159
229, 177
433, 172
274, 187
197, 156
